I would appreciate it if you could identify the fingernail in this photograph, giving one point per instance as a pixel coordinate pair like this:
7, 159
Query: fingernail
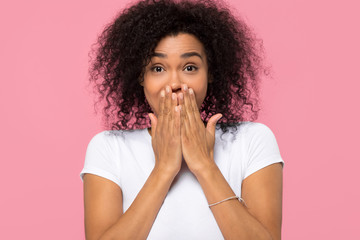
167, 89
191, 91
181, 95
173, 95
162, 93
185, 87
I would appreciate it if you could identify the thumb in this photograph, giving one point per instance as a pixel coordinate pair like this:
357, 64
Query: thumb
212, 123
153, 120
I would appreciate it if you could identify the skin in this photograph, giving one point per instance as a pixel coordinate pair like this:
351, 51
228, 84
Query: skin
177, 130
179, 68
169, 68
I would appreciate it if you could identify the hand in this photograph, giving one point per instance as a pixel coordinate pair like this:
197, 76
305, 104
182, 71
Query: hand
197, 142
165, 133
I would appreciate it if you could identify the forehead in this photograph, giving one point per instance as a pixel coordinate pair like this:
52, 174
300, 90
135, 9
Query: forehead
183, 42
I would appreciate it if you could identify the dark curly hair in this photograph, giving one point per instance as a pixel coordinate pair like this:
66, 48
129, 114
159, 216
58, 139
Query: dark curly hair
124, 48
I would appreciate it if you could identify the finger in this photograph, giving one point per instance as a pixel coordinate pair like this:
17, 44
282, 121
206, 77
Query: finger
167, 110
193, 103
194, 107
167, 107
161, 107
181, 111
181, 99
211, 125
173, 113
188, 112
177, 124
183, 120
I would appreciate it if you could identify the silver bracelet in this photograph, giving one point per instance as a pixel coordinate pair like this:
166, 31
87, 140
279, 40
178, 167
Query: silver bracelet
233, 197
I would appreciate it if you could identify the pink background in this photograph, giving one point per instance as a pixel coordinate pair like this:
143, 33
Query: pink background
47, 120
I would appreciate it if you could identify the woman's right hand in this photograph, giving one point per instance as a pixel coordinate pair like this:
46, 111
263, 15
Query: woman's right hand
112, 222
165, 134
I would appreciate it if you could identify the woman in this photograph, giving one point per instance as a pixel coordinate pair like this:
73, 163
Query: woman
189, 175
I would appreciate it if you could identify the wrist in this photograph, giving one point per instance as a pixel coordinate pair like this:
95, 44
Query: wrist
205, 170
165, 172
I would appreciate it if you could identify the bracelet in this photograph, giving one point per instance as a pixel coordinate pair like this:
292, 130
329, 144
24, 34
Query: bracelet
233, 197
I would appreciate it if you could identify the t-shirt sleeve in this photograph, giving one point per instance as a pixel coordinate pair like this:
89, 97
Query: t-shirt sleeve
100, 158
263, 149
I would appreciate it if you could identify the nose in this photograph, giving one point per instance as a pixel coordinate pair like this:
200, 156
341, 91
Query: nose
175, 83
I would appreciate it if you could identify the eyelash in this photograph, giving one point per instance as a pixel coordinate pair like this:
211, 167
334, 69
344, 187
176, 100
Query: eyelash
195, 68
153, 68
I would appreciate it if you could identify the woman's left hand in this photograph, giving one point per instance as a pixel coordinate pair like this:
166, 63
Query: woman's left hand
197, 142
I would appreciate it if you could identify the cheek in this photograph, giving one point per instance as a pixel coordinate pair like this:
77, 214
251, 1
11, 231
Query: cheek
153, 100
199, 100
200, 96
152, 86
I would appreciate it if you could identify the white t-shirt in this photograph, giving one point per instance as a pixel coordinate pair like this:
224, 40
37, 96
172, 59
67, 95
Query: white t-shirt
127, 158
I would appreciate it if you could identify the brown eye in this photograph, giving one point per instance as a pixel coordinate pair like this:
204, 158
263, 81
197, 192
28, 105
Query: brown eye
190, 68
157, 69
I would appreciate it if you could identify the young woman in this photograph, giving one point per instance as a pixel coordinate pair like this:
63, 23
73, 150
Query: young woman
188, 174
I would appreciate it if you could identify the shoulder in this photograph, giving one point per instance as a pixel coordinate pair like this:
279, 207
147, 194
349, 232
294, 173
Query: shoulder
252, 138
256, 134
246, 130
260, 147
100, 144
109, 136
255, 130
102, 138
115, 140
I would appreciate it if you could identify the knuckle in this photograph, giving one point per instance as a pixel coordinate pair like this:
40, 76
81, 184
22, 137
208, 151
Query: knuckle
185, 140
166, 112
173, 141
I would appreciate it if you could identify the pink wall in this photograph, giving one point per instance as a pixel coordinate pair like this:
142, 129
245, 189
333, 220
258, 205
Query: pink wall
47, 120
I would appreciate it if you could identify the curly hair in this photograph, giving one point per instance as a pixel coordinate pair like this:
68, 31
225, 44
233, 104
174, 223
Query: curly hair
124, 48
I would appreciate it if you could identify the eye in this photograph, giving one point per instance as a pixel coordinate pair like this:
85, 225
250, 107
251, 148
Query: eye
157, 69
190, 68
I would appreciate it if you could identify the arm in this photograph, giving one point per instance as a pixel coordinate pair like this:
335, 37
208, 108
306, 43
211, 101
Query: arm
261, 191
104, 218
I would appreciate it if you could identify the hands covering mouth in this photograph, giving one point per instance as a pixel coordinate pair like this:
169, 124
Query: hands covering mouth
178, 94
178, 131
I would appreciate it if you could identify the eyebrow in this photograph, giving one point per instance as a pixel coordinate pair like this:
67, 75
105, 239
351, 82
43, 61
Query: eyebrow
184, 55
